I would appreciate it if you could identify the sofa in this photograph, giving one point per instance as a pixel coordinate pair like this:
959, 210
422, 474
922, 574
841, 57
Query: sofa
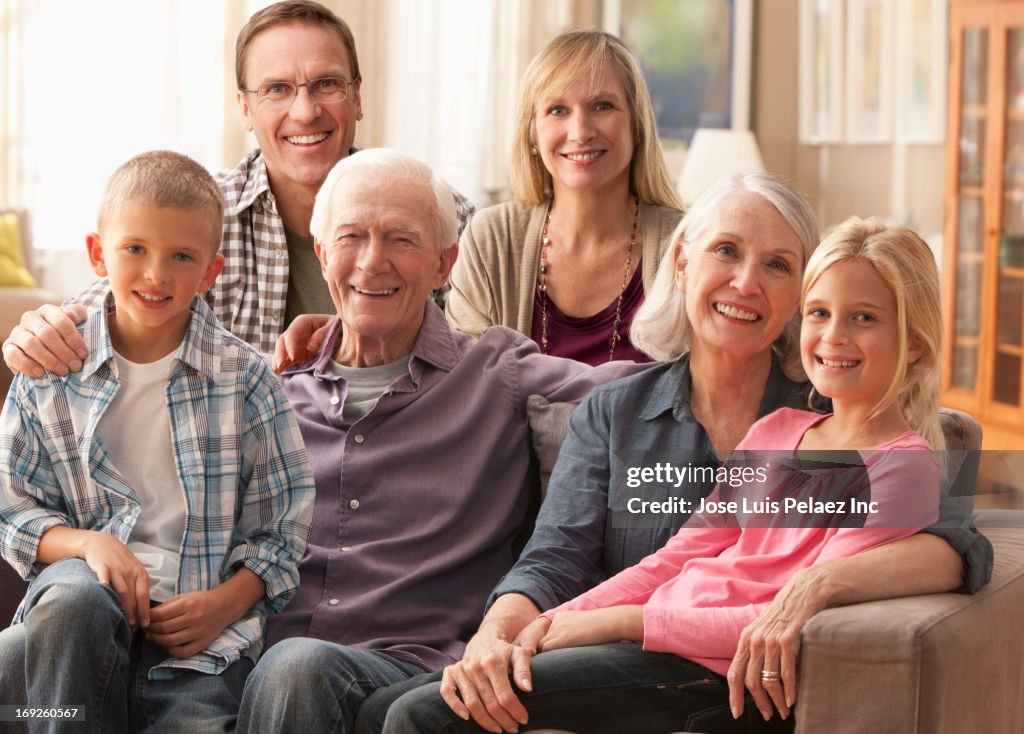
924, 664
937, 663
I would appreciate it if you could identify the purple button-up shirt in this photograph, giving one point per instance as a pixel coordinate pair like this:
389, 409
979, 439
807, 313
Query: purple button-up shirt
419, 502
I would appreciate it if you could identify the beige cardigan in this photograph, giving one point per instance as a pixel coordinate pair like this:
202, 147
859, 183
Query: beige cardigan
496, 271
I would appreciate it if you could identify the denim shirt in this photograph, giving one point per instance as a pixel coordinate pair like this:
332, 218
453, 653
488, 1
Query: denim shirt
585, 533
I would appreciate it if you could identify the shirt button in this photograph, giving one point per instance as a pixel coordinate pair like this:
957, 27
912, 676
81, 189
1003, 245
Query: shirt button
335, 400
333, 602
279, 252
93, 409
359, 438
354, 504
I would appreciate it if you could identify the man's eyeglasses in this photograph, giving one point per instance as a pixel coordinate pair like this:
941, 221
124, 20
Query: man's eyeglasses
326, 89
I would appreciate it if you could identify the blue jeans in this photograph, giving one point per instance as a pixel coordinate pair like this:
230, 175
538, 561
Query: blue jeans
603, 688
74, 648
312, 686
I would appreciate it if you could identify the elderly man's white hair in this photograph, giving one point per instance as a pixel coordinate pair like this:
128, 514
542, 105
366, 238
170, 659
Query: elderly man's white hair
388, 164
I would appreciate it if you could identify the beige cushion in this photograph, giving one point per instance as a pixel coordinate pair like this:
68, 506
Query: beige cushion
549, 423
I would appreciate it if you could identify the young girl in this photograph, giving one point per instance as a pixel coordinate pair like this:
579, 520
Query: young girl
870, 341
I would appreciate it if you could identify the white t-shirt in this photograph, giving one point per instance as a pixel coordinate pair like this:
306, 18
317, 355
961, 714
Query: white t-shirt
136, 432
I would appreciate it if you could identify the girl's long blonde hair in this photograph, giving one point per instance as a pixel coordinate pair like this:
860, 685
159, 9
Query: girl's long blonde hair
907, 266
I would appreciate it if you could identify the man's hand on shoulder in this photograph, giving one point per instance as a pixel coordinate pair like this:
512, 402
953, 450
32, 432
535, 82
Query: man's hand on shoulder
46, 339
300, 340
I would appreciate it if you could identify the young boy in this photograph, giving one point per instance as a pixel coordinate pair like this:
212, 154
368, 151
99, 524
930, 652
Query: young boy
159, 499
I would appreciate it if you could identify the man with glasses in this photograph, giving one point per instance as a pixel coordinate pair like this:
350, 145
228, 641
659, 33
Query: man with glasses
298, 90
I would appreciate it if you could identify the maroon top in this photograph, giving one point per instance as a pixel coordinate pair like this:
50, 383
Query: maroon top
587, 339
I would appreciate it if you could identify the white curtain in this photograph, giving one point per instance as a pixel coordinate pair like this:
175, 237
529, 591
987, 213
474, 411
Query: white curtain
88, 85
450, 71
11, 14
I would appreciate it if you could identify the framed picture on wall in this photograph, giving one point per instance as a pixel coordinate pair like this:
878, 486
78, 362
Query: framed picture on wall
869, 65
696, 59
821, 71
921, 90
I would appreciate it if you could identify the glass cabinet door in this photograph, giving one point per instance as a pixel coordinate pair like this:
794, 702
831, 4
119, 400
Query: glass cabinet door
970, 204
1008, 344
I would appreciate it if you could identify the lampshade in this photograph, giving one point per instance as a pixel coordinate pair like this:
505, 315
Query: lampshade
714, 152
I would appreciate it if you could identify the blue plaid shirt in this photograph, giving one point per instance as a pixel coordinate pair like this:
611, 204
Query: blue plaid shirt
238, 453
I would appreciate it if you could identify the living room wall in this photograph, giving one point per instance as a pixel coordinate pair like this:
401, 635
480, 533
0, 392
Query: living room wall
841, 180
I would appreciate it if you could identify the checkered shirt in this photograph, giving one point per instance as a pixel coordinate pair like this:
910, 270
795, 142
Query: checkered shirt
250, 293
238, 454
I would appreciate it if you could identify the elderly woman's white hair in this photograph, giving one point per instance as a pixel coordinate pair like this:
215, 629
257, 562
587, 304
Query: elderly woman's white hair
387, 164
661, 327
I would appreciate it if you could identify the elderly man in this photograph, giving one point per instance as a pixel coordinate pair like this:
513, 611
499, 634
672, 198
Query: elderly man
418, 439
298, 90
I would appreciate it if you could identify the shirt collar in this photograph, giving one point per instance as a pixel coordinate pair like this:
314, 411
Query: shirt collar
200, 349
257, 182
434, 345
671, 391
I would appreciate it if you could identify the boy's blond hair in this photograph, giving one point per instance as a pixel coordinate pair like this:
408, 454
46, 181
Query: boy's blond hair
165, 179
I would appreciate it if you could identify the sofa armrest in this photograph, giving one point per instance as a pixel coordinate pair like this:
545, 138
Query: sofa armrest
936, 663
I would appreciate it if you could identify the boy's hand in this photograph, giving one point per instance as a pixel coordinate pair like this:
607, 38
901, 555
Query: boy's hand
187, 623
46, 339
117, 567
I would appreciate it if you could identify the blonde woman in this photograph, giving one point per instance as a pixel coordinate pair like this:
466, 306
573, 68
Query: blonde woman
569, 260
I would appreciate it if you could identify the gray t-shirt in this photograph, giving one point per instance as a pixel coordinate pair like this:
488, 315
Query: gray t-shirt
307, 289
366, 385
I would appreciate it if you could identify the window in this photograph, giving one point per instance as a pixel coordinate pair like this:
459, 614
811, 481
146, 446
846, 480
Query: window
695, 56
92, 84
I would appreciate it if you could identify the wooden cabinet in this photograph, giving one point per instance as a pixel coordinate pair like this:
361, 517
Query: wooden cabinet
983, 360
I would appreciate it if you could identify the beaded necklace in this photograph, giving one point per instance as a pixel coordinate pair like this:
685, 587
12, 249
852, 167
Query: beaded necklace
542, 283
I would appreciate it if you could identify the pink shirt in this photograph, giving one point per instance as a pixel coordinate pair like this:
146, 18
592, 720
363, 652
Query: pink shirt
708, 583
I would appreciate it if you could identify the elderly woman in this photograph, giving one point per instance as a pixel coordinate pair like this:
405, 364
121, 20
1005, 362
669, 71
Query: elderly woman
723, 309
568, 262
